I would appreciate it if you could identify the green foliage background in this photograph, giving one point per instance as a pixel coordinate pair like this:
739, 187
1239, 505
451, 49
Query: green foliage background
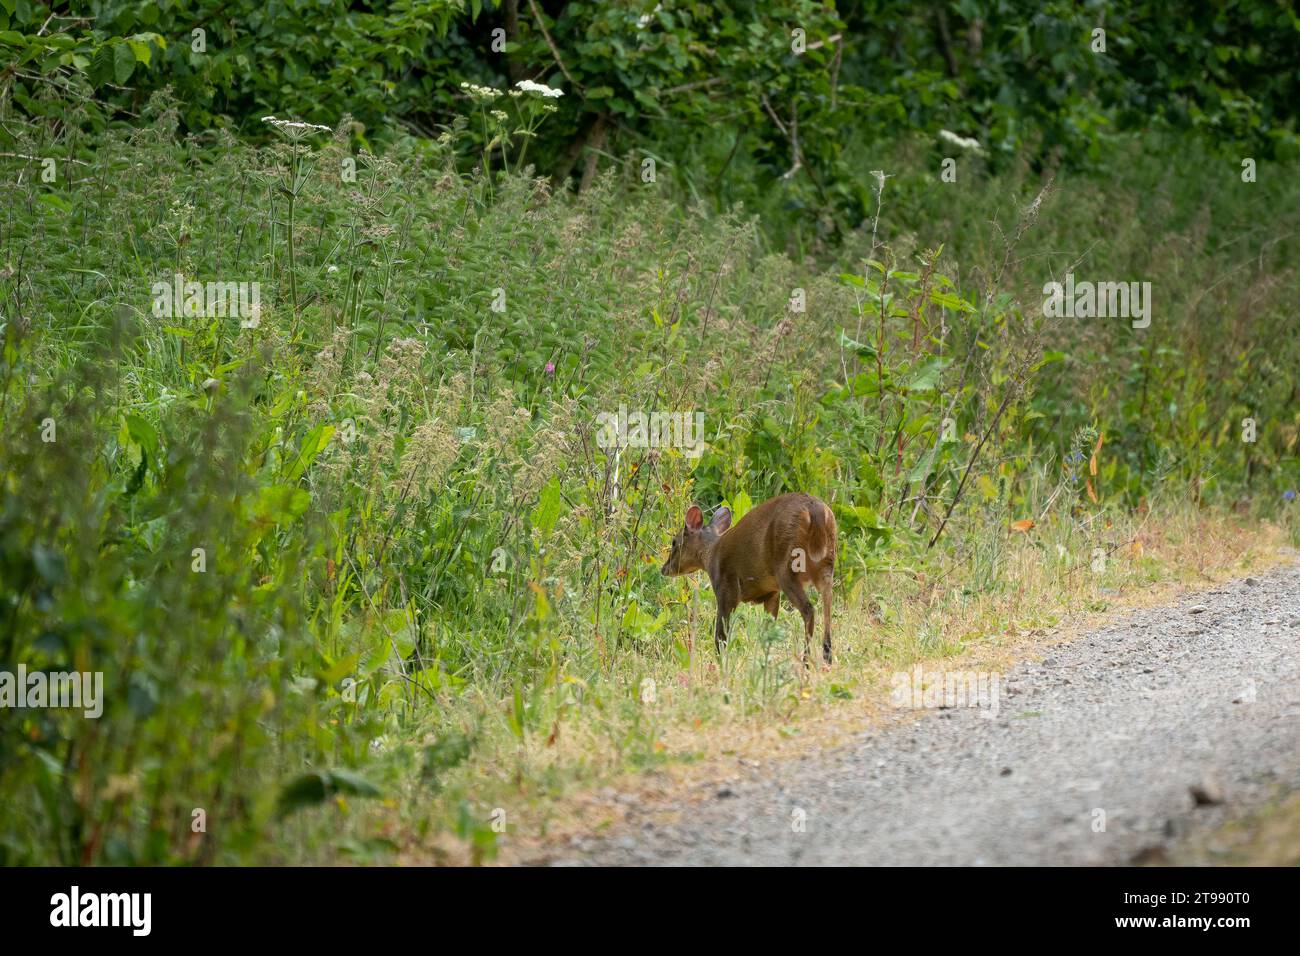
420, 571
696, 85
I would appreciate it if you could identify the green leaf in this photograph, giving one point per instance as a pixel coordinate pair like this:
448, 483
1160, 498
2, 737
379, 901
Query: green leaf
547, 511
280, 503
924, 466
123, 63
638, 622
317, 786
1048, 358
950, 301
339, 669
312, 446
927, 376
137, 479
739, 505
101, 64
864, 350
140, 50
143, 434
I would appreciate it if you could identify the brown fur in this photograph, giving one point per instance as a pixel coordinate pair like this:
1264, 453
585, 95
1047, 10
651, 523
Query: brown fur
778, 547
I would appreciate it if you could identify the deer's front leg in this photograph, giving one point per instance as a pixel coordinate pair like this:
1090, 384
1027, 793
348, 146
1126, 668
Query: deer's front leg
720, 630
727, 601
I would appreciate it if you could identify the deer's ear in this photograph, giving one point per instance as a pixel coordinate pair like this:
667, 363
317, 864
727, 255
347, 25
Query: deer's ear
694, 518
721, 520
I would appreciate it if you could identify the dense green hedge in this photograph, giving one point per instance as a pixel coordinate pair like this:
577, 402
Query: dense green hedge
778, 104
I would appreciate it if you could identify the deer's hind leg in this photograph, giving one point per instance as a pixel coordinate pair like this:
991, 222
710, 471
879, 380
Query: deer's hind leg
825, 585
794, 591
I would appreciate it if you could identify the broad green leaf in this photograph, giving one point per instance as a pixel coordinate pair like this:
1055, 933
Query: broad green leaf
143, 434
739, 505
547, 511
866, 351
140, 50
312, 445
317, 786
950, 301
927, 375
924, 466
123, 63
280, 503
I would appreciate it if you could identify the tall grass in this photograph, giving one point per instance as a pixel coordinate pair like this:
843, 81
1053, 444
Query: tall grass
428, 593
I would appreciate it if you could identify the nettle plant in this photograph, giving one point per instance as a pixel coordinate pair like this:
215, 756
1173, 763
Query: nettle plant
893, 362
170, 553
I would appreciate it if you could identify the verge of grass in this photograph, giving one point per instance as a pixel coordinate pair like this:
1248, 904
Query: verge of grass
567, 793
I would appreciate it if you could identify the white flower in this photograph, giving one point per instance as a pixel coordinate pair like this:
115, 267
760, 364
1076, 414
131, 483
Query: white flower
528, 86
648, 18
294, 129
960, 141
476, 92
294, 124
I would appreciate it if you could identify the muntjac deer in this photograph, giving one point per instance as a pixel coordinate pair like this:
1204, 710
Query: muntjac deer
777, 548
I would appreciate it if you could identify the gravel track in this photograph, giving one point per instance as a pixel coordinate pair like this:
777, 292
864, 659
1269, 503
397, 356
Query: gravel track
1173, 719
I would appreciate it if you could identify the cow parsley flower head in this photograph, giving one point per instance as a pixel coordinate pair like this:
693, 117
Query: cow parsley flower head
528, 86
483, 93
294, 129
960, 142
